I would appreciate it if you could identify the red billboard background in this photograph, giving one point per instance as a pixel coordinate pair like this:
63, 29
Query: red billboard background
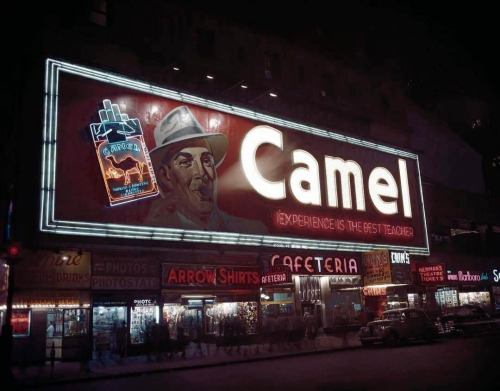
81, 195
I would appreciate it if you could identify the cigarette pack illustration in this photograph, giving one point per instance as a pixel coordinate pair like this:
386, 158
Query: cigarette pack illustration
123, 156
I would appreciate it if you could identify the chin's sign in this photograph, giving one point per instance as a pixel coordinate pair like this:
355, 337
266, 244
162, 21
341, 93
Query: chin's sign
174, 167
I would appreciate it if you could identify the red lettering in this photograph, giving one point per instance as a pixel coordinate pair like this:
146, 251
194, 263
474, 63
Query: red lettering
172, 276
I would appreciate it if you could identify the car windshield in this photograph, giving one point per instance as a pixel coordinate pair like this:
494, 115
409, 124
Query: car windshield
391, 315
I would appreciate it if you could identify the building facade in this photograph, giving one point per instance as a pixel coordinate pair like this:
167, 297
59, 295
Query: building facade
307, 184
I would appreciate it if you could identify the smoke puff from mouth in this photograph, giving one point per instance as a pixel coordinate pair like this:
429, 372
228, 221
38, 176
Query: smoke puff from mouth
204, 191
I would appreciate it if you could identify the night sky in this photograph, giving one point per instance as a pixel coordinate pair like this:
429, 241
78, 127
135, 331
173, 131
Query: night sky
462, 34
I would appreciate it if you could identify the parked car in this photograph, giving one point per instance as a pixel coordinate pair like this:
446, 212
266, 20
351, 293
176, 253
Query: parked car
397, 326
467, 319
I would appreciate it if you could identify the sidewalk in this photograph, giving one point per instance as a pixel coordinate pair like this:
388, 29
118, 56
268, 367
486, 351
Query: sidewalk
208, 355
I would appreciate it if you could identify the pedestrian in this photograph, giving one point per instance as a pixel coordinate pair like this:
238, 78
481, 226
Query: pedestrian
121, 341
50, 330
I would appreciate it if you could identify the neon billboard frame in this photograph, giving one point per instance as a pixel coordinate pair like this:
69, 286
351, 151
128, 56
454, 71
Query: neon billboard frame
49, 224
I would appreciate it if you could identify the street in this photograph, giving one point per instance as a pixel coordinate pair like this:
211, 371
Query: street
447, 364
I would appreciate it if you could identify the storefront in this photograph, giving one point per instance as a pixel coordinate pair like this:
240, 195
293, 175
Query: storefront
323, 284
137, 311
124, 289
277, 292
51, 305
386, 281
203, 301
453, 287
465, 287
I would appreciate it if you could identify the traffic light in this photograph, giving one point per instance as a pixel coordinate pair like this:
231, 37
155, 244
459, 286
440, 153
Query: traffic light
12, 250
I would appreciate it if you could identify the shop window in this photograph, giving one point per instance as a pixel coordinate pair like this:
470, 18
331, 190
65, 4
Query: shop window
276, 304
213, 318
480, 298
56, 316
141, 320
75, 322
106, 321
21, 323
310, 289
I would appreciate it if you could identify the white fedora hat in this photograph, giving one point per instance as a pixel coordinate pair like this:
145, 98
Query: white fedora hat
180, 125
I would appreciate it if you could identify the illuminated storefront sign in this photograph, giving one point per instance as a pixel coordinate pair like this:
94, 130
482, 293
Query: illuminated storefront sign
51, 298
259, 182
496, 275
68, 269
116, 273
276, 275
431, 274
376, 268
467, 276
123, 156
196, 276
400, 267
346, 264
374, 291
144, 302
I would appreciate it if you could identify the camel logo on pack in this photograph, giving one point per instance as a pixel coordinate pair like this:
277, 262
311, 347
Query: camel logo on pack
123, 156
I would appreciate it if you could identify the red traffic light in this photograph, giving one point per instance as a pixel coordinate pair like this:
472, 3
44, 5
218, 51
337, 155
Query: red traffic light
13, 250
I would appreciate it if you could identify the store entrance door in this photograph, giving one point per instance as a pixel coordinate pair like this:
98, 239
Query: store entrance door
54, 326
106, 321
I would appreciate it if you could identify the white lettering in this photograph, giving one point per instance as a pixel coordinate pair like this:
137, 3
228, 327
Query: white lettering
405, 188
346, 169
304, 182
377, 190
253, 140
309, 175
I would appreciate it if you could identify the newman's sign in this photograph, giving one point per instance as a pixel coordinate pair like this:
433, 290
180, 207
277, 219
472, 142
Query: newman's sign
431, 274
183, 168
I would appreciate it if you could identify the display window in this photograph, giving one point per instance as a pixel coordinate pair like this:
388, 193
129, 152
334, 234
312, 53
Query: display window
21, 323
480, 298
141, 320
106, 321
209, 317
414, 300
276, 303
242, 316
75, 322
446, 297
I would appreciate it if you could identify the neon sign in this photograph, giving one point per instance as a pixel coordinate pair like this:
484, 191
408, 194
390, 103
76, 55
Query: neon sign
192, 275
431, 274
310, 264
123, 156
467, 276
276, 275
362, 197
381, 182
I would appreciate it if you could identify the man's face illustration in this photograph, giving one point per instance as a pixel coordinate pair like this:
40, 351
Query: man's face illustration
191, 172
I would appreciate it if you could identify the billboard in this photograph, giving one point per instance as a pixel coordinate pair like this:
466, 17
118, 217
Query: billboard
128, 159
